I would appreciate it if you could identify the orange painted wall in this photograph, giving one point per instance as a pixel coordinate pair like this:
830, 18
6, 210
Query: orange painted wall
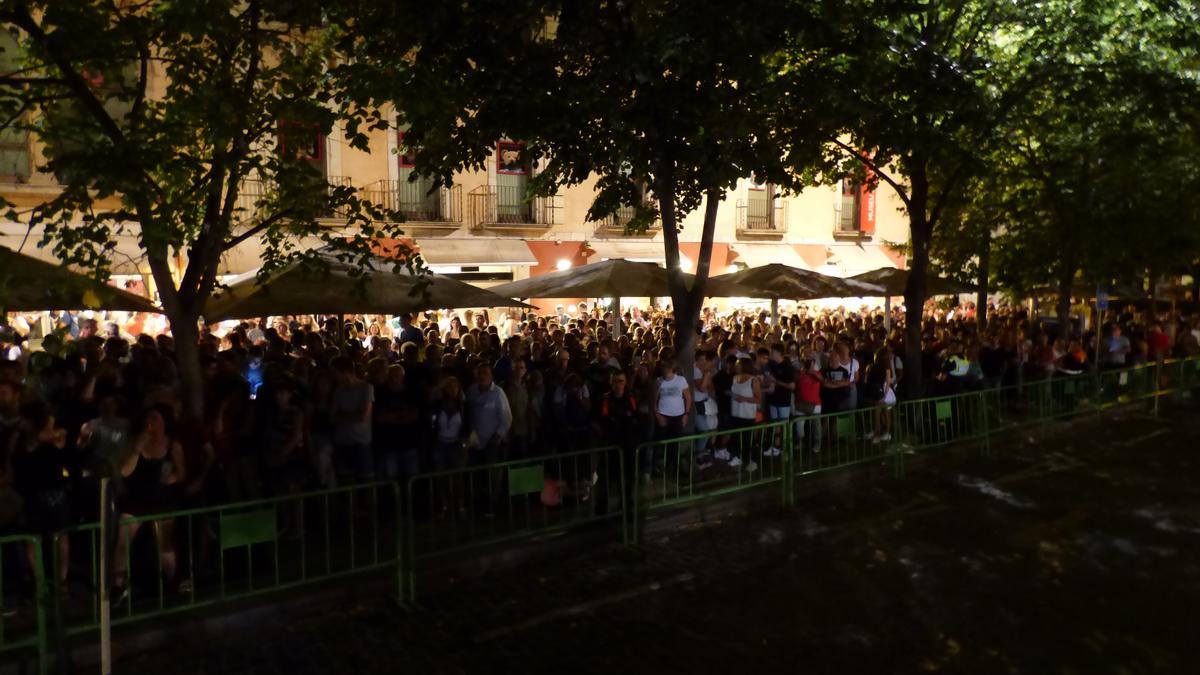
548, 253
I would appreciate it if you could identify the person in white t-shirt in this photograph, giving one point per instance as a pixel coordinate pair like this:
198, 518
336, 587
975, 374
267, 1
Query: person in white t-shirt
855, 373
672, 401
706, 405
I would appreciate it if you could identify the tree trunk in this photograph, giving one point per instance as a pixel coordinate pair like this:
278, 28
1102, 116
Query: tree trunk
686, 301
981, 309
1064, 301
187, 363
914, 291
914, 308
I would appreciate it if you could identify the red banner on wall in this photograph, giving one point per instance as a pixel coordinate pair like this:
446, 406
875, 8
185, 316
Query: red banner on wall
866, 201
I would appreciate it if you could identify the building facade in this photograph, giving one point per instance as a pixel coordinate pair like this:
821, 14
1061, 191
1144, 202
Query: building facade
485, 230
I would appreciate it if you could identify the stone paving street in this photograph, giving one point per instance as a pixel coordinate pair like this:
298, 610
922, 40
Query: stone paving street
1079, 554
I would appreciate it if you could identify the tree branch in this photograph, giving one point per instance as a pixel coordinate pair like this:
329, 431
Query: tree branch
876, 168
257, 229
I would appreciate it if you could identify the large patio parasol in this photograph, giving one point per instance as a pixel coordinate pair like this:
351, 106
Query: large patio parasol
614, 278
298, 289
31, 285
894, 281
782, 282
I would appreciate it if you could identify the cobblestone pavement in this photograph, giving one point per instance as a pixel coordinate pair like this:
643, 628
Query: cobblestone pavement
1079, 554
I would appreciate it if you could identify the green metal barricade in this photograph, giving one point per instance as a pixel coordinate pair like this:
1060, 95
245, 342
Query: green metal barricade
834, 440
226, 552
476, 506
674, 471
935, 422
23, 599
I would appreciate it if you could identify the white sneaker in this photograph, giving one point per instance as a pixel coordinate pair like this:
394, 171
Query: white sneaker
885, 437
875, 440
704, 461
772, 452
735, 462
722, 455
816, 447
751, 466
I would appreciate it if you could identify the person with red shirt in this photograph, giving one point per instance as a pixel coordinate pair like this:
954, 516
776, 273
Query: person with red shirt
1158, 343
808, 397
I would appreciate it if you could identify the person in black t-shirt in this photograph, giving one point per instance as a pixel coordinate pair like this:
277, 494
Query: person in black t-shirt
781, 378
36, 467
993, 362
835, 384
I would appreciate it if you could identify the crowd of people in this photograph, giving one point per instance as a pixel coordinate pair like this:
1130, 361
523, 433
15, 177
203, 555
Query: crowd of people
294, 403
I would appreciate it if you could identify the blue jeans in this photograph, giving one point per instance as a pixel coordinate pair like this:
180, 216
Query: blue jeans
779, 412
800, 423
704, 423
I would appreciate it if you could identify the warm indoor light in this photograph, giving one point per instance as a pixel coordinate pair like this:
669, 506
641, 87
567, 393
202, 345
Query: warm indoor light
563, 264
685, 265
733, 268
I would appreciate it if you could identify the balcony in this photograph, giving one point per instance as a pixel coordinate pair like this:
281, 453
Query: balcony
414, 201
510, 206
761, 218
617, 223
847, 223
252, 192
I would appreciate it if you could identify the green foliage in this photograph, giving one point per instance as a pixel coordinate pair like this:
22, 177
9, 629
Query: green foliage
1095, 174
167, 114
666, 104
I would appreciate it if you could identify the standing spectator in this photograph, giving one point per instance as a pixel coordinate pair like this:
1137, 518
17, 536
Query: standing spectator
37, 470
836, 383
283, 441
151, 471
1158, 343
504, 366
746, 393
672, 402
705, 405
488, 416
879, 395
409, 332
351, 404
572, 405
520, 402
399, 425
619, 423
489, 419
808, 397
782, 385
993, 361
450, 448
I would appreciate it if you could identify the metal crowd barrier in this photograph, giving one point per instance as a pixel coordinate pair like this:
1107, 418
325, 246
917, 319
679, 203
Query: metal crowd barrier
227, 552
23, 599
476, 506
243, 549
669, 472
